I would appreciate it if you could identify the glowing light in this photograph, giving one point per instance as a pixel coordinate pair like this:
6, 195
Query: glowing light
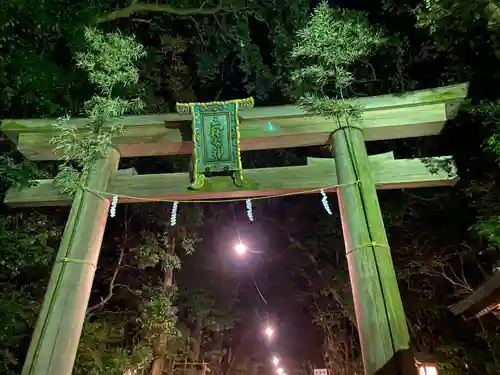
240, 249
269, 332
427, 369
276, 360
280, 371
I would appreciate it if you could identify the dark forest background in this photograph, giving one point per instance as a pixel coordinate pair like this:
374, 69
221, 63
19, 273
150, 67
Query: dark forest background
444, 241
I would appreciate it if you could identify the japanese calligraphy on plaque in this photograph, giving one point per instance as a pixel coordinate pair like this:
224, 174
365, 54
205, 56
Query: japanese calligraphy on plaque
216, 139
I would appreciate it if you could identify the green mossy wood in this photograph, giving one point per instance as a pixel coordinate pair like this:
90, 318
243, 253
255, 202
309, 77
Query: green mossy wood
410, 114
385, 342
389, 173
57, 333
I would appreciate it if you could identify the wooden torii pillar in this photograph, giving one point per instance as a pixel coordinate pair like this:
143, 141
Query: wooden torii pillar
383, 333
379, 311
57, 333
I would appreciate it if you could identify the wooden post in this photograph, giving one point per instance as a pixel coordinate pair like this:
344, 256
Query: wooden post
57, 333
385, 342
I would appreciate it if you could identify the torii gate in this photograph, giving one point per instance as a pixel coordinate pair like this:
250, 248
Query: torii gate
379, 312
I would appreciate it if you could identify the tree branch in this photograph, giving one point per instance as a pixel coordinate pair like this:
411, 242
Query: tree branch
137, 7
111, 285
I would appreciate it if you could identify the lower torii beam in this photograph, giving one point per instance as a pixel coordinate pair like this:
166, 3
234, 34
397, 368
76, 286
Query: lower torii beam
57, 333
384, 337
317, 174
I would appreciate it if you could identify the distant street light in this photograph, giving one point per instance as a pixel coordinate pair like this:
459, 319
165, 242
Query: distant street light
427, 369
240, 249
426, 365
276, 360
280, 371
269, 332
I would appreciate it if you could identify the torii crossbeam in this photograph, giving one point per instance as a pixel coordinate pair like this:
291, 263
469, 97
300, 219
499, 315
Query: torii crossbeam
379, 312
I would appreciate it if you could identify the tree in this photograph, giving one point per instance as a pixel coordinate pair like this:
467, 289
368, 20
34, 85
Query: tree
110, 63
138, 310
333, 41
27, 246
209, 307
